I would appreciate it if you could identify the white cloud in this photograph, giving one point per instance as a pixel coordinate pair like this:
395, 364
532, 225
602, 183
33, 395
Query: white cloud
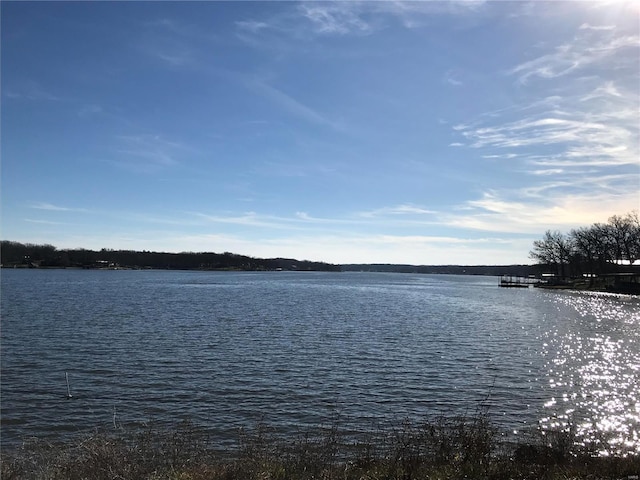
147, 153
518, 212
30, 91
548, 171
602, 92
43, 222
355, 248
452, 77
55, 208
582, 52
585, 139
179, 30
586, 26
507, 156
412, 14
252, 25
335, 18
175, 58
576, 148
290, 104
89, 110
406, 209
308, 20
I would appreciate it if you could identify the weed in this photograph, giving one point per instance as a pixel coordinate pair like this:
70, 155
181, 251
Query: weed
440, 448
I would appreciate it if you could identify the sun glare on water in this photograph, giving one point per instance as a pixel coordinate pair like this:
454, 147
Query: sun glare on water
593, 366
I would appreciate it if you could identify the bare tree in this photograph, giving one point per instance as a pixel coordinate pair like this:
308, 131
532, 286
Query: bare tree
591, 249
554, 249
586, 246
632, 242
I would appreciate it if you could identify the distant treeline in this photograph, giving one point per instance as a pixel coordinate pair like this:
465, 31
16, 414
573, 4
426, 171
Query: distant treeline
598, 249
495, 270
15, 254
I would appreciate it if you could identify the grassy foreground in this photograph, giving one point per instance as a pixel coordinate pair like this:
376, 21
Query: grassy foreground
460, 448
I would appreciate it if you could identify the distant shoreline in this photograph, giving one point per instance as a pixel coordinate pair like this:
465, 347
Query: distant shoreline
19, 255
627, 288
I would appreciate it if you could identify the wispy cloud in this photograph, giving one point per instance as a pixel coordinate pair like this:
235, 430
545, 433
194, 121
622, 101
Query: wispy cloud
383, 219
335, 18
55, 208
412, 14
146, 153
252, 26
43, 222
308, 20
348, 247
89, 110
582, 52
246, 219
592, 122
512, 212
576, 148
582, 140
297, 221
290, 104
453, 77
289, 169
304, 236
176, 57
172, 25
30, 91
586, 26
171, 52
175, 43
548, 171
608, 89
405, 209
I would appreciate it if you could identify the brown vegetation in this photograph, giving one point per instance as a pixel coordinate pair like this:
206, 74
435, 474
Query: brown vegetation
438, 449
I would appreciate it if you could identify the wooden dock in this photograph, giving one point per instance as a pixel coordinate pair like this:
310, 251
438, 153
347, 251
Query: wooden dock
512, 281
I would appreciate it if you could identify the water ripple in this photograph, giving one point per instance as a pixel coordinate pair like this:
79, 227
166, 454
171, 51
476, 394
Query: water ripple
593, 359
297, 350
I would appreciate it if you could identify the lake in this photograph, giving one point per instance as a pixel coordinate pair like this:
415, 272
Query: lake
298, 350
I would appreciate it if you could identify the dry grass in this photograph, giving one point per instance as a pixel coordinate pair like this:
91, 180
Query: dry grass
443, 448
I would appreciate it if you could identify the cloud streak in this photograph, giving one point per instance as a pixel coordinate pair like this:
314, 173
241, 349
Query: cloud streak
584, 51
31, 91
290, 104
397, 210
309, 20
339, 18
354, 248
146, 153
55, 208
576, 148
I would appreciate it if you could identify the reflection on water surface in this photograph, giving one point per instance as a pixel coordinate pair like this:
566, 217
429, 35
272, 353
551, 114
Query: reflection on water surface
593, 364
295, 350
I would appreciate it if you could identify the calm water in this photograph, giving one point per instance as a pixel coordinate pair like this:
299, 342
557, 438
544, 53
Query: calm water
298, 350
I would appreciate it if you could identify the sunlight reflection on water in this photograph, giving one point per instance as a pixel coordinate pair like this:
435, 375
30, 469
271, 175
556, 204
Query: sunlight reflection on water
297, 350
593, 362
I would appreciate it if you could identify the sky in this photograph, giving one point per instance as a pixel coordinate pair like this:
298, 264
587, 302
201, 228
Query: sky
352, 132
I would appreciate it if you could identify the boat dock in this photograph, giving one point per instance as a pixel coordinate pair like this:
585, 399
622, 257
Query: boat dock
512, 281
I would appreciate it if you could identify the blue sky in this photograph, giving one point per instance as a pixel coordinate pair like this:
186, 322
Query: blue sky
396, 132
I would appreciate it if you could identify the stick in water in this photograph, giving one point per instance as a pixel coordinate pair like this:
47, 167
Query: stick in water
66, 375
